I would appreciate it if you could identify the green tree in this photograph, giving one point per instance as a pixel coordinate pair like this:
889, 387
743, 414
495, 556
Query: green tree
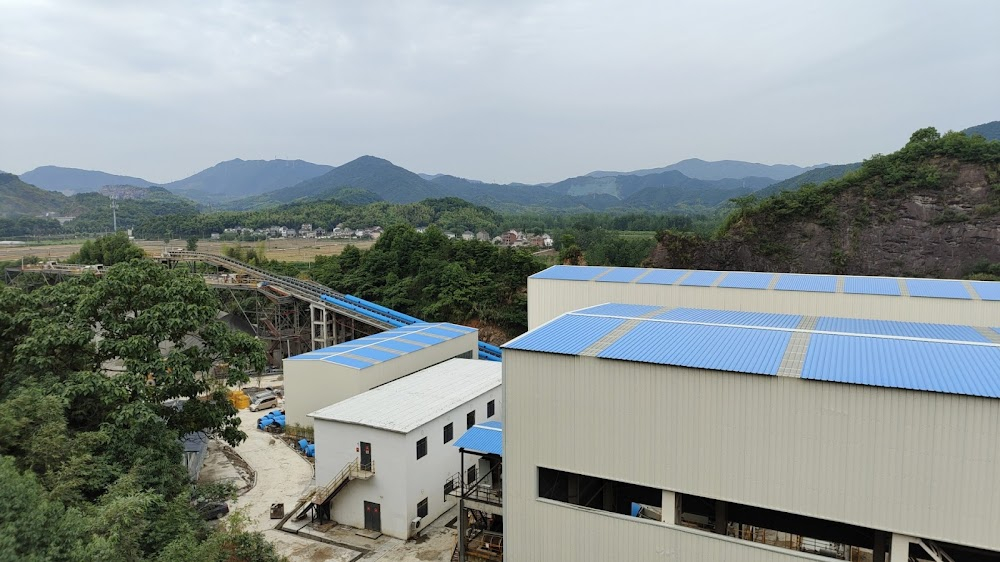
192, 244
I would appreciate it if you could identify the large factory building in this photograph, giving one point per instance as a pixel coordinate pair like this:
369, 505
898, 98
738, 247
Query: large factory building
771, 428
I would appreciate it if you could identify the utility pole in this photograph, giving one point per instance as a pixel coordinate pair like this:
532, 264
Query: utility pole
114, 212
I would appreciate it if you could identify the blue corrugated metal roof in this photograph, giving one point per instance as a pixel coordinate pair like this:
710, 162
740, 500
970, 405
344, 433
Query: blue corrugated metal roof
744, 350
937, 367
486, 437
622, 274
871, 286
570, 272
894, 328
613, 309
938, 288
808, 283
701, 278
385, 346
997, 330
732, 317
662, 277
568, 334
987, 290
746, 280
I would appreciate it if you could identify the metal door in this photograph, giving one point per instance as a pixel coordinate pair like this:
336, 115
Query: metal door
366, 456
373, 517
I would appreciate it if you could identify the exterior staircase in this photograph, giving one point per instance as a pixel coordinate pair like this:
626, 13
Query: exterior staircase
353, 470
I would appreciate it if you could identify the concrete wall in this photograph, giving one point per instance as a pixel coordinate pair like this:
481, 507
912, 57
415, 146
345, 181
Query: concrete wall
917, 463
401, 480
312, 385
549, 298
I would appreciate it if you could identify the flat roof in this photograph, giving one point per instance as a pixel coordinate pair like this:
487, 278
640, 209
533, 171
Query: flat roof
943, 358
385, 346
411, 401
486, 437
759, 281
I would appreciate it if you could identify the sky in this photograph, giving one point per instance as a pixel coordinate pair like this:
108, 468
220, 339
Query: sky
498, 91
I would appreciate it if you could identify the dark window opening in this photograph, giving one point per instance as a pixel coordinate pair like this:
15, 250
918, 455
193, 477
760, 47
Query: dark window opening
470, 475
470, 419
422, 448
466, 355
449, 433
449, 487
595, 493
422, 508
491, 408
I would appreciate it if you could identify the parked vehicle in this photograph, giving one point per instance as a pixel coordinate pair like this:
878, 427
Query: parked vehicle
263, 401
212, 510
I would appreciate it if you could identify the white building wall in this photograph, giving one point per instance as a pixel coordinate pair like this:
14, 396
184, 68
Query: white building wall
336, 445
557, 532
550, 298
311, 385
917, 463
400, 480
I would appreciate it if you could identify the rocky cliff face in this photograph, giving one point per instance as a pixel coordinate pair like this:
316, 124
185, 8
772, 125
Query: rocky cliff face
926, 211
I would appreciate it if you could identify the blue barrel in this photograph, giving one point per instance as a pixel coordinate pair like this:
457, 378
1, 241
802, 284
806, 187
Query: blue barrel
311, 450
303, 444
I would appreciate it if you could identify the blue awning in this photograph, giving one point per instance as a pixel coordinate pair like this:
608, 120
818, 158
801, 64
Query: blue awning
486, 437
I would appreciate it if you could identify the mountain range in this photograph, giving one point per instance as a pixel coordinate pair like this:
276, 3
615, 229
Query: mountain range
719, 170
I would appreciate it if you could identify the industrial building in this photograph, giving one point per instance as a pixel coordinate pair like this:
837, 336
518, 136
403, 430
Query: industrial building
384, 457
780, 422
564, 288
479, 489
326, 376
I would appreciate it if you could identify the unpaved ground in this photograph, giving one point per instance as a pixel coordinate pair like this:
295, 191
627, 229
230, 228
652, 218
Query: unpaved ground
293, 249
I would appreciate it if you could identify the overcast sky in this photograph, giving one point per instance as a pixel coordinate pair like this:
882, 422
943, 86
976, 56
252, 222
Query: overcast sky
493, 90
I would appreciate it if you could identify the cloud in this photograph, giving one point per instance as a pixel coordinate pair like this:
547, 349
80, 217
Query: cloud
507, 91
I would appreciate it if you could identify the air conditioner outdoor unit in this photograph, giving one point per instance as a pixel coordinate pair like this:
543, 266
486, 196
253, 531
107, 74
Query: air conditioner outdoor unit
415, 523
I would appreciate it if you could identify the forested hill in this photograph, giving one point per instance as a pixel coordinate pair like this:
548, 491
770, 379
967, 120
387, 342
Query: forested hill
990, 131
932, 209
75, 180
18, 197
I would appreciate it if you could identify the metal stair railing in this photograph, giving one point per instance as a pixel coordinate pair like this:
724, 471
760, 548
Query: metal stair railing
352, 470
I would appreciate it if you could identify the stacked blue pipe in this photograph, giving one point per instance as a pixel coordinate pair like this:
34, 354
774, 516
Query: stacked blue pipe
489, 352
275, 418
311, 450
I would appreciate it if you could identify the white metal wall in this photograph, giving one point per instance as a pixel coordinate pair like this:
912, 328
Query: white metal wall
311, 385
555, 532
549, 298
919, 463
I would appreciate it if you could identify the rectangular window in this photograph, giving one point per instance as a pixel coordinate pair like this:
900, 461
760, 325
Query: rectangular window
595, 493
449, 433
422, 448
449, 486
470, 475
470, 419
491, 408
422, 508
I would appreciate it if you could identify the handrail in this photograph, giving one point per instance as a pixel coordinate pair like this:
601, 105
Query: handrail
351, 470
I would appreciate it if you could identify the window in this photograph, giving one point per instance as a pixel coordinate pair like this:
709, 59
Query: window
449, 432
470, 475
470, 419
449, 486
491, 408
422, 508
422, 448
595, 493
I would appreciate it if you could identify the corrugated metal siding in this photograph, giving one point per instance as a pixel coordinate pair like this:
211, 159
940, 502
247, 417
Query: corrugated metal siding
483, 438
401, 345
937, 288
894, 328
570, 272
988, 291
701, 278
807, 283
349, 361
548, 299
937, 367
613, 309
663, 276
921, 464
871, 286
734, 317
740, 350
746, 280
567, 335
622, 275
376, 354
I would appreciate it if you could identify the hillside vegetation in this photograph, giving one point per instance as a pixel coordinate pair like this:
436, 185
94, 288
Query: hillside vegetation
20, 198
930, 209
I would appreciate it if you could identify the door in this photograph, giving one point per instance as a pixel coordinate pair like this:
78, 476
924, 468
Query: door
366, 456
373, 517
